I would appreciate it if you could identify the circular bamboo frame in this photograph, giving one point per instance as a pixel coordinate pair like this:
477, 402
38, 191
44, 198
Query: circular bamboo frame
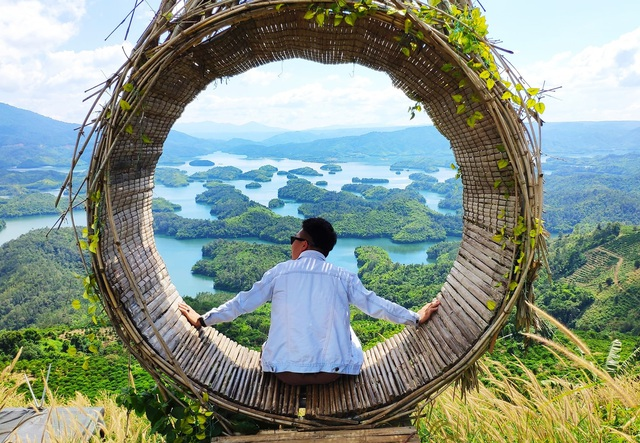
185, 49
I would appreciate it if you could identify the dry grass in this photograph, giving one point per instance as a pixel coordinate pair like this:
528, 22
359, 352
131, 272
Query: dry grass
507, 407
9, 384
120, 426
592, 406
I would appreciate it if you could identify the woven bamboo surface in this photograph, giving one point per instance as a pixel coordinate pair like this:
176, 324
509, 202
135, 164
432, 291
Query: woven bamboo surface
173, 62
383, 435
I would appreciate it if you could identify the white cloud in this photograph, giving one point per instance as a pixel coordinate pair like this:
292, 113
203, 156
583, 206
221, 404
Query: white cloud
43, 69
34, 26
264, 78
37, 74
54, 84
304, 95
597, 83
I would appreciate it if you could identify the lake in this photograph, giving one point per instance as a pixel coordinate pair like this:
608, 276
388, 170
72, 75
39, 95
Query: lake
21, 225
180, 255
269, 190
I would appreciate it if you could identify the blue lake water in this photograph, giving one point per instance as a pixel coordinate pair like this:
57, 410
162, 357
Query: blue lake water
269, 190
181, 255
18, 226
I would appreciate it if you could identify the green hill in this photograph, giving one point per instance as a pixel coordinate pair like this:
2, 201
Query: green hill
31, 140
29, 130
598, 270
37, 279
596, 279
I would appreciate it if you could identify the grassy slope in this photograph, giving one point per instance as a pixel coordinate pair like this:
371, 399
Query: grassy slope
611, 275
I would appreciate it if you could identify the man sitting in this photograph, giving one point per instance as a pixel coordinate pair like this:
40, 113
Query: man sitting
310, 338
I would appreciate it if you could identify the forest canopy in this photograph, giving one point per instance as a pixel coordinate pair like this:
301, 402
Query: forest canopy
38, 279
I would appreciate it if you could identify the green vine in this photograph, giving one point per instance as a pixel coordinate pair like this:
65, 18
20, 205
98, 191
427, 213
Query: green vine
465, 29
89, 242
521, 234
417, 107
520, 231
91, 237
457, 169
340, 11
130, 93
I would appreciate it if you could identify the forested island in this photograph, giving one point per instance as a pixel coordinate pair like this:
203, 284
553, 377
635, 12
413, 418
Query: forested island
360, 211
28, 203
584, 191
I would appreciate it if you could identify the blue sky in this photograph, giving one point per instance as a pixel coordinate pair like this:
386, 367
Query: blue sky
52, 51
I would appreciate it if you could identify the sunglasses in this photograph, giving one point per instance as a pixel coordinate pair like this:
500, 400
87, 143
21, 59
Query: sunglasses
294, 238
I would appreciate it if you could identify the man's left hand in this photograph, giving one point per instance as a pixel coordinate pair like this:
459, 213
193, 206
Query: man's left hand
428, 310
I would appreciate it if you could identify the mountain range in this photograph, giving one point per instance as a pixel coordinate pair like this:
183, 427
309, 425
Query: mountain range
269, 135
29, 140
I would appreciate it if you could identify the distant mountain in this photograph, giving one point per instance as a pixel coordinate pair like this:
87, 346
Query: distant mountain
310, 135
224, 131
268, 135
31, 140
405, 144
591, 138
27, 137
570, 139
22, 127
179, 148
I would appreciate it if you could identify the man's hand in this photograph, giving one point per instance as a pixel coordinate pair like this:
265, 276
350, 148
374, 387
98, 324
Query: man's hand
192, 316
428, 310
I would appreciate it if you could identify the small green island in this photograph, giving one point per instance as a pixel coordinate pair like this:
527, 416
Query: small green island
331, 168
370, 181
305, 172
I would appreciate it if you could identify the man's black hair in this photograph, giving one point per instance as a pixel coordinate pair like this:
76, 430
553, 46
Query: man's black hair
322, 234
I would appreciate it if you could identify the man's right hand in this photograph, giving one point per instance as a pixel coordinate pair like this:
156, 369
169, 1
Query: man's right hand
192, 316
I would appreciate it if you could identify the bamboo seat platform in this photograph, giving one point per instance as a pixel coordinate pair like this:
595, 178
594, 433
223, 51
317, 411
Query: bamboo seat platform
185, 49
406, 434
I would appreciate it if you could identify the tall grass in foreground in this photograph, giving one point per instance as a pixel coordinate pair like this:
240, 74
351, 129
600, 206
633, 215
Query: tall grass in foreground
520, 408
120, 425
511, 405
506, 408
516, 406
